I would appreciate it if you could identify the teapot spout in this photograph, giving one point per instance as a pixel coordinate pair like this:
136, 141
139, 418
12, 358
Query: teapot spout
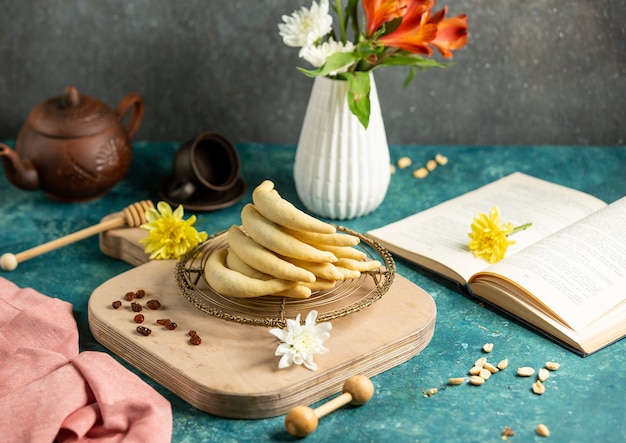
20, 172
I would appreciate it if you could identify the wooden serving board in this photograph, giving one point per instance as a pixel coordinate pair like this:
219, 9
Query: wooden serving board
234, 372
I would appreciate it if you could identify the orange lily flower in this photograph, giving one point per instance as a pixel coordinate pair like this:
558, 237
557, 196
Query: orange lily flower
419, 30
378, 12
451, 33
415, 32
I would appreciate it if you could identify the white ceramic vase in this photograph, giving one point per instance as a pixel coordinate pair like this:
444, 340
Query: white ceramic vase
341, 169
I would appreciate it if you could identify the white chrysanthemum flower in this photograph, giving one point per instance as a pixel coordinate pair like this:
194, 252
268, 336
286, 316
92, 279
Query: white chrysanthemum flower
306, 26
299, 343
317, 55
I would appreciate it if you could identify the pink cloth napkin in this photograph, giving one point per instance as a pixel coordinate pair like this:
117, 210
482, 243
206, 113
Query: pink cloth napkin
49, 392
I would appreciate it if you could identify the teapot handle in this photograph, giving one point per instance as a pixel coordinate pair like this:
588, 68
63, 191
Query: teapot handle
134, 103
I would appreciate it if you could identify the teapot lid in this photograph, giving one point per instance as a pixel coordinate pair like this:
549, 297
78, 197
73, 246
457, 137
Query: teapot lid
72, 115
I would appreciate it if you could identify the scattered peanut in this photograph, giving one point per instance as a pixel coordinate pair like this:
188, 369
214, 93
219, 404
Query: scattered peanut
480, 362
488, 347
543, 375
455, 381
431, 165
538, 387
441, 159
420, 173
404, 162
491, 368
484, 374
542, 430
503, 364
552, 366
476, 380
525, 371
475, 370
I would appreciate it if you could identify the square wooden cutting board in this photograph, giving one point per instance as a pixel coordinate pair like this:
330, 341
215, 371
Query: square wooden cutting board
234, 372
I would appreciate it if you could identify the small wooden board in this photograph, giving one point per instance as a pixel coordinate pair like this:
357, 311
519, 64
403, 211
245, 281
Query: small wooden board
234, 372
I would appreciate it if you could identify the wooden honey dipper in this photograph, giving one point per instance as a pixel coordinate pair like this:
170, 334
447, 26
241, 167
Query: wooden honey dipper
132, 216
302, 420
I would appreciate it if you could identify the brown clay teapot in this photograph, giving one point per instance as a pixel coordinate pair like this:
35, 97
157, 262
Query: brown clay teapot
73, 147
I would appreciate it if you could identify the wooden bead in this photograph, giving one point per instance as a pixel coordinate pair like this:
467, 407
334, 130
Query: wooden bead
360, 387
8, 262
301, 421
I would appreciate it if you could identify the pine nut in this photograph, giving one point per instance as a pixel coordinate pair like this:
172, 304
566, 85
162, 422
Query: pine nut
431, 165
503, 364
488, 347
542, 430
525, 371
392, 169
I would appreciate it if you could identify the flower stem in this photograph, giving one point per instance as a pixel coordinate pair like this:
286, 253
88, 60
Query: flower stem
520, 228
342, 24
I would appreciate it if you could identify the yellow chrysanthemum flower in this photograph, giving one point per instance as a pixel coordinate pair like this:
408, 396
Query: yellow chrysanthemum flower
489, 237
169, 236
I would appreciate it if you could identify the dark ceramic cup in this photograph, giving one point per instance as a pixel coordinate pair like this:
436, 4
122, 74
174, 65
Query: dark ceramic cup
207, 162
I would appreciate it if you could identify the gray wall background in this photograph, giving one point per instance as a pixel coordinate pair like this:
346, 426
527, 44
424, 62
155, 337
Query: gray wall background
534, 71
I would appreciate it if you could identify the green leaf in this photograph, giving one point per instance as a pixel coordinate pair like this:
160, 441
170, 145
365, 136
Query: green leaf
412, 60
359, 95
333, 63
409, 76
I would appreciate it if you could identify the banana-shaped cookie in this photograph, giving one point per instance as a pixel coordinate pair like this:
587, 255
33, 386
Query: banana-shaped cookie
327, 271
235, 263
273, 207
234, 284
263, 259
315, 238
267, 234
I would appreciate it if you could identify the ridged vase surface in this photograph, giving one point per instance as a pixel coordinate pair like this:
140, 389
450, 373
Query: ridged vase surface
341, 169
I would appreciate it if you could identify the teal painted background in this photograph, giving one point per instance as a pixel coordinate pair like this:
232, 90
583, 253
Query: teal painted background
584, 400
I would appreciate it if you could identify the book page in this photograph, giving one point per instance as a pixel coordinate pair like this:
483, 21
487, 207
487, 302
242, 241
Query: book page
579, 272
441, 232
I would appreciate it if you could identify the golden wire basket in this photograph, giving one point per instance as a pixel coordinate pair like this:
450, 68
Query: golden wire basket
347, 297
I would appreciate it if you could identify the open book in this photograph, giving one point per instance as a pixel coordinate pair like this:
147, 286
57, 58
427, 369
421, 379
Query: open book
565, 276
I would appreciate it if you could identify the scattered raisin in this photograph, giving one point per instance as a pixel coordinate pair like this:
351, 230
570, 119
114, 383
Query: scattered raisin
191, 333
171, 326
153, 304
129, 296
139, 318
195, 340
140, 293
163, 321
116, 304
144, 331
136, 307
508, 432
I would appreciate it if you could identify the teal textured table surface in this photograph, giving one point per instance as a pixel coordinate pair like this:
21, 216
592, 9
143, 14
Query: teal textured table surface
585, 400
